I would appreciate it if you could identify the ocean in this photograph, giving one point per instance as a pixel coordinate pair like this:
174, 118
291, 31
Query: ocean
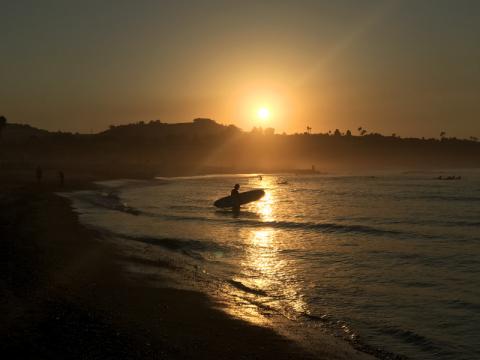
391, 260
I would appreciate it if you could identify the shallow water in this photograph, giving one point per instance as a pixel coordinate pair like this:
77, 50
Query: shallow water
393, 258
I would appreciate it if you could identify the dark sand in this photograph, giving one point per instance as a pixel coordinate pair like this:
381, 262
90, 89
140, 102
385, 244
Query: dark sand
64, 296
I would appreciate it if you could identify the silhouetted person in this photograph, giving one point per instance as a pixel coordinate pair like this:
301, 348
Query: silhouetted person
39, 174
61, 178
236, 199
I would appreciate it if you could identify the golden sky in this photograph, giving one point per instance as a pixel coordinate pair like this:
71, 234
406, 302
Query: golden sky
406, 67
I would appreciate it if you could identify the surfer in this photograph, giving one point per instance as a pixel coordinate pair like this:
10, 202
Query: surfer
236, 198
235, 195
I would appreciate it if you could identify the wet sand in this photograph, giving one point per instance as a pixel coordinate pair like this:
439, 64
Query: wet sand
64, 295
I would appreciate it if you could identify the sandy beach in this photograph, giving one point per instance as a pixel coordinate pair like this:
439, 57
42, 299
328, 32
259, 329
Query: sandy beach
64, 296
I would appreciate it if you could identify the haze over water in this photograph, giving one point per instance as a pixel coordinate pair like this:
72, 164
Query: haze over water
393, 258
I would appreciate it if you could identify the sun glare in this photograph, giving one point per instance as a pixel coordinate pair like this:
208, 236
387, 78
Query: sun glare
263, 113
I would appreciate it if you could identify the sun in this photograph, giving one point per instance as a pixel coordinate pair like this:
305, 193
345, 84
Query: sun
263, 113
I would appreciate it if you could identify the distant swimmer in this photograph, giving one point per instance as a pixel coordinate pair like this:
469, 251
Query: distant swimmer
450, 178
235, 195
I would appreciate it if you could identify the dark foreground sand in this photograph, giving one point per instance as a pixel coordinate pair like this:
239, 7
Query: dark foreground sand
63, 296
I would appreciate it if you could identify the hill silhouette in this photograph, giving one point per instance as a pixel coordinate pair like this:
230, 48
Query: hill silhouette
203, 146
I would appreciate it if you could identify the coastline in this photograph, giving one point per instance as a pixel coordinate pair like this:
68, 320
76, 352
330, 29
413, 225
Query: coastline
66, 296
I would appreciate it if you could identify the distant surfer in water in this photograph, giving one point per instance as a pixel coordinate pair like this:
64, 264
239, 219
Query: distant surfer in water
235, 194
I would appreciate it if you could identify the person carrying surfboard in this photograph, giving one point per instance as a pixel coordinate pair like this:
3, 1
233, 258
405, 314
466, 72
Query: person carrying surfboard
235, 195
236, 198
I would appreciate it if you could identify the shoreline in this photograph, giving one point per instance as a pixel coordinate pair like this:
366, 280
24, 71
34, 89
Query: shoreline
66, 295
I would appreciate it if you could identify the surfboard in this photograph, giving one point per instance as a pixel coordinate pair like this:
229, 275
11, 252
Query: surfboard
243, 198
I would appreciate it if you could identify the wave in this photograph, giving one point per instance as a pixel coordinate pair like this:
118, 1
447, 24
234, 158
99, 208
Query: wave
448, 198
419, 221
240, 286
207, 176
188, 207
411, 337
192, 248
109, 200
129, 183
462, 304
325, 227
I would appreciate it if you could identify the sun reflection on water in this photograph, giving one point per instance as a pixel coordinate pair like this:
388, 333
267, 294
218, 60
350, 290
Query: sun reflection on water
266, 205
266, 281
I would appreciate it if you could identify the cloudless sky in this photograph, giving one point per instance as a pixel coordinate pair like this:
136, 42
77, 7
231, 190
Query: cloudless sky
410, 67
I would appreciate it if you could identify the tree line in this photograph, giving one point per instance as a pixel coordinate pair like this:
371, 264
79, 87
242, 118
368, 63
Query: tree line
204, 146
